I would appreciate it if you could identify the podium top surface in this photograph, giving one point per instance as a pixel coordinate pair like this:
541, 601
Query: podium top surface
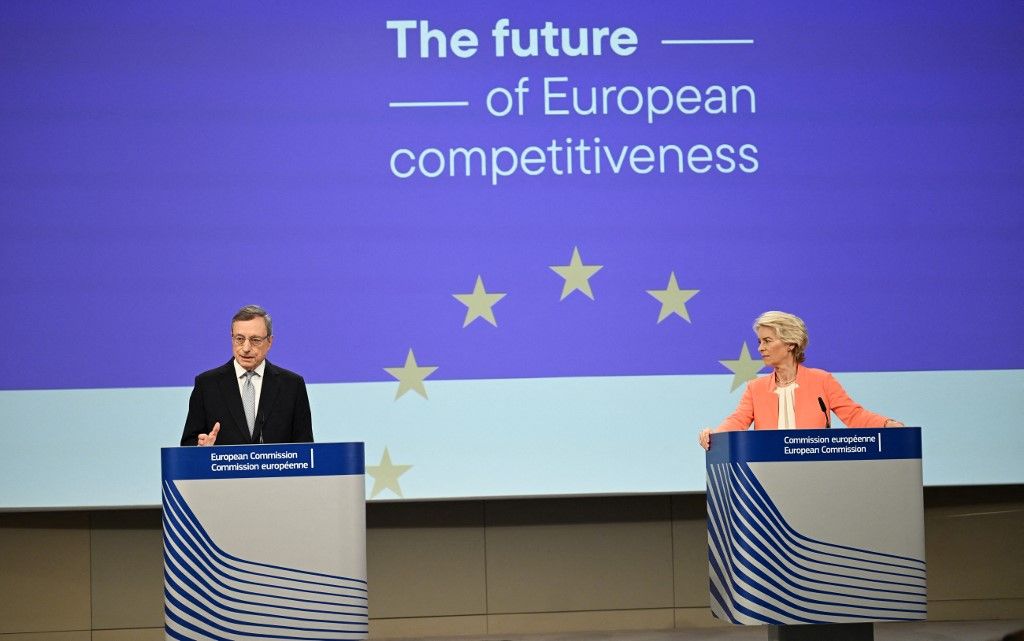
265, 460
815, 445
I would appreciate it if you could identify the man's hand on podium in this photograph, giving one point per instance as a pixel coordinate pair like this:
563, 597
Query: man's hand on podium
211, 438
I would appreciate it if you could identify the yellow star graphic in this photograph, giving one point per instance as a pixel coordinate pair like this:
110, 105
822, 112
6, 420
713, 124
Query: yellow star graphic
385, 476
673, 300
410, 376
744, 368
479, 303
576, 275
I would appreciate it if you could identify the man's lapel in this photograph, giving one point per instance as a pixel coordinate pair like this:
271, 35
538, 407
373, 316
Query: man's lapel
268, 396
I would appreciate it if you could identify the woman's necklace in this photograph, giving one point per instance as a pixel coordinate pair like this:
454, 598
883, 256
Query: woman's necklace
781, 383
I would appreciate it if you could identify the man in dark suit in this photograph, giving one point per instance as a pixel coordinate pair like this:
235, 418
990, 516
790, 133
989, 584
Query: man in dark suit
248, 400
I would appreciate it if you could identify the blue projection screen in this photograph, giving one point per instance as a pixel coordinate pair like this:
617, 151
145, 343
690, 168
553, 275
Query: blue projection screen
516, 248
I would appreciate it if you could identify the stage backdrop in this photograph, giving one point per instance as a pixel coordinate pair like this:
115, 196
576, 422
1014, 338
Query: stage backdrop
515, 247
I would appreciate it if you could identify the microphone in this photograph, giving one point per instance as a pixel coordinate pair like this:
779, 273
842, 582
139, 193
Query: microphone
260, 422
828, 417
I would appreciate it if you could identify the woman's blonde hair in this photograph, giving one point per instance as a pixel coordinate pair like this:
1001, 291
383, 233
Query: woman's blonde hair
790, 330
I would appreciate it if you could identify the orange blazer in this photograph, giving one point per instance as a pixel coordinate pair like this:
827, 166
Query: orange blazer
760, 404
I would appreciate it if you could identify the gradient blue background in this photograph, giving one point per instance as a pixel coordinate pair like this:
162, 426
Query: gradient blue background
164, 164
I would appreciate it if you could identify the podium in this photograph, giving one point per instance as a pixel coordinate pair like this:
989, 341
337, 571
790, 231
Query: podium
816, 527
265, 542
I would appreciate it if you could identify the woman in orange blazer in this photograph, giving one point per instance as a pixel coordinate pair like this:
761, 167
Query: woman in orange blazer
788, 398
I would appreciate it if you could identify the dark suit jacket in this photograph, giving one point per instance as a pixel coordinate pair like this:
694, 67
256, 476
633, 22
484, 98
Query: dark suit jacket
282, 417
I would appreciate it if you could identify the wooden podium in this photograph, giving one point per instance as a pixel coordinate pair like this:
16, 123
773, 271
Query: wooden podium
265, 542
817, 527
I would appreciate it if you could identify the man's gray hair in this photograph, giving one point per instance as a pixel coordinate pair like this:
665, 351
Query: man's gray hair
250, 312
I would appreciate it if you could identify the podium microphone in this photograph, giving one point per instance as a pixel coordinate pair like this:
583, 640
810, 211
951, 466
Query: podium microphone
828, 417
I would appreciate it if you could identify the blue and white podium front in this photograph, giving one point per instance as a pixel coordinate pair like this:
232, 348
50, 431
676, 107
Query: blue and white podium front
816, 526
265, 542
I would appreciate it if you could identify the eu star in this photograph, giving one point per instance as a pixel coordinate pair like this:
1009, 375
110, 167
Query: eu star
410, 376
673, 300
479, 304
576, 275
744, 368
385, 476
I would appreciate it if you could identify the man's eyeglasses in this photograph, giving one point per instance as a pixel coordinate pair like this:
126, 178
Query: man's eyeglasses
255, 341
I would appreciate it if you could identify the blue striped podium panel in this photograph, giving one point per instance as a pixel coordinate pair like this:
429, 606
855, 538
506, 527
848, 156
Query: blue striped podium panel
816, 526
265, 542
